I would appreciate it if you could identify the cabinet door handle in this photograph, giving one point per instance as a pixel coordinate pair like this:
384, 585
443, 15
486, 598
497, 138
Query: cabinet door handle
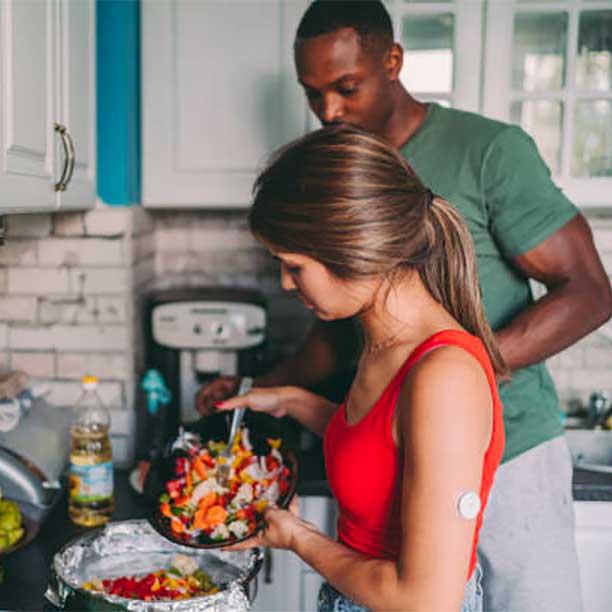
69, 157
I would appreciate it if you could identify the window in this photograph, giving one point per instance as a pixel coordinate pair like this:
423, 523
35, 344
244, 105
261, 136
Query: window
442, 49
551, 73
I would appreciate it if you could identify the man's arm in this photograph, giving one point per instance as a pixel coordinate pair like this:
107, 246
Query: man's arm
326, 347
579, 297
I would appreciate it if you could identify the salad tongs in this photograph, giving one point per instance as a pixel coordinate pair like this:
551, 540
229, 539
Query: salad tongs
223, 469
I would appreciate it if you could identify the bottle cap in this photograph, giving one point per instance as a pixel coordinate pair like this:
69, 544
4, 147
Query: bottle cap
89, 382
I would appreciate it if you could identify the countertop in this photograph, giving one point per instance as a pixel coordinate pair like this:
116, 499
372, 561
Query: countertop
26, 570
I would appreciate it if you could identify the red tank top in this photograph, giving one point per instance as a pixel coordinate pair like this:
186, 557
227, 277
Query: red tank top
364, 466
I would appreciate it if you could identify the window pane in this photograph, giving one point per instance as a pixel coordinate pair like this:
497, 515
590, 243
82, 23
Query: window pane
594, 62
428, 61
538, 60
592, 151
542, 119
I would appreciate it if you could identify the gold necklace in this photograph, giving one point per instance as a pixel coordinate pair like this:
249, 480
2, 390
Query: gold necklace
387, 342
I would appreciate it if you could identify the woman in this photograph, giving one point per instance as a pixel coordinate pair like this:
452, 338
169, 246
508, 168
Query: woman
411, 453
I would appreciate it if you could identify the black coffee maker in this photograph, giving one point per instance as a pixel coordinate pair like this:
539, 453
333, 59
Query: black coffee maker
193, 335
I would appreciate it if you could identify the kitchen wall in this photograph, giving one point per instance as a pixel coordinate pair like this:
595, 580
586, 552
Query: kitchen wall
72, 288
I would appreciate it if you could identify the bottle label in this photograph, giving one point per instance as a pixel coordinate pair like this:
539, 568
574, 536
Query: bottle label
91, 483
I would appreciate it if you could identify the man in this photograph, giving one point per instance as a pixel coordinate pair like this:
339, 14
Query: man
523, 227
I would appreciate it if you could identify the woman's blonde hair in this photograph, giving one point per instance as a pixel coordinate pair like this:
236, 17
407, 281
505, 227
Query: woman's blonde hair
349, 200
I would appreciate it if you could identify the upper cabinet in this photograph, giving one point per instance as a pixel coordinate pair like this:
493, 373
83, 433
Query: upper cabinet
47, 105
219, 94
549, 68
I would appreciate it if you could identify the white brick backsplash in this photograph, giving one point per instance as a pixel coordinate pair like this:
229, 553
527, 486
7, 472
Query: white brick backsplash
96, 281
37, 281
171, 239
18, 309
142, 221
4, 340
18, 253
28, 226
73, 310
40, 365
213, 240
91, 338
31, 338
122, 421
143, 247
108, 221
68, 224
69, 338
67, 393
106, 366
603, 239
143, 272
596, 357
111, 309
5, 360
82, 252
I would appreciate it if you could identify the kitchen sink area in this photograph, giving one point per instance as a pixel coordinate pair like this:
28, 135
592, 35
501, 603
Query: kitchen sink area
591, 449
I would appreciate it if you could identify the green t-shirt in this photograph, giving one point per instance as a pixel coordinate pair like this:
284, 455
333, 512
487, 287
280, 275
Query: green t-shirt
492, 173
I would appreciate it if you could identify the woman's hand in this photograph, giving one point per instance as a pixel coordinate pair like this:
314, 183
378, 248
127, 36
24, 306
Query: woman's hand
270, 400
280, 529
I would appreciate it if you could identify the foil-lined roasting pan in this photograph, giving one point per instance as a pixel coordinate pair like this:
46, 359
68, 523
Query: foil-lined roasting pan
130, 548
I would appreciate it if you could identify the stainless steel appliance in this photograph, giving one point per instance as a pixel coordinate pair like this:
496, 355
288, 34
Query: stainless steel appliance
33, 455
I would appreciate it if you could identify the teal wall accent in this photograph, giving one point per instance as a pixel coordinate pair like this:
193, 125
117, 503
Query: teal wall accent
118, 101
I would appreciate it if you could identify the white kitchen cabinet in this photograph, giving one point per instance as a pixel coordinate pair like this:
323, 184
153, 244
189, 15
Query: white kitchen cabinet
594, 545
47, 104
219, 94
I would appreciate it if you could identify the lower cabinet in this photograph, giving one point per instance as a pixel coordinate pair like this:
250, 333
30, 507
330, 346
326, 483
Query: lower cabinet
285, 583
594, 545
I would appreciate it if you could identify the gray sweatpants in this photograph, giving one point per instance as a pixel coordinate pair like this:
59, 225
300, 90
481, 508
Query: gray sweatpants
526, 547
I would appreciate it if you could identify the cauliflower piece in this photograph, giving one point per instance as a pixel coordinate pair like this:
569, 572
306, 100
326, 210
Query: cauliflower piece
184, 564
244, 493
204, 488
272, 493
239, 528
255, 472
220, 532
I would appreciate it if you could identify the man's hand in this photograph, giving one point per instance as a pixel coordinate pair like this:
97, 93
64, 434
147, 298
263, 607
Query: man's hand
217, 390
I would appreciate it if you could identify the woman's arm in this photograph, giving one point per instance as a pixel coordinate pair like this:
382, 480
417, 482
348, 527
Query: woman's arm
310, 410
444, 422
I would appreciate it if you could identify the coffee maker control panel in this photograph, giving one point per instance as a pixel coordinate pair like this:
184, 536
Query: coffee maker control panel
208, 325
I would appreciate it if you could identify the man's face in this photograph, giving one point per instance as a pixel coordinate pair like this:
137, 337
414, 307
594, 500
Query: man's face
343, 81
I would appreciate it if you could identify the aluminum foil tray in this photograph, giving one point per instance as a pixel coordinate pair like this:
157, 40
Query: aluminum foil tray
133, 547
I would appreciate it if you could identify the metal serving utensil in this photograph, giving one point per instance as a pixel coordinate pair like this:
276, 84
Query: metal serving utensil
223, 469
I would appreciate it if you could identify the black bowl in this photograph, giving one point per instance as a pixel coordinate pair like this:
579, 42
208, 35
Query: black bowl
211, 428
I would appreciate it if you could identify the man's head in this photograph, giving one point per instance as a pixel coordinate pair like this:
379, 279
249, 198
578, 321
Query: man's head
347, 62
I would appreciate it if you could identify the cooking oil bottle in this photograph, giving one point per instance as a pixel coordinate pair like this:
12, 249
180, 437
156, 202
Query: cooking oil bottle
90, 497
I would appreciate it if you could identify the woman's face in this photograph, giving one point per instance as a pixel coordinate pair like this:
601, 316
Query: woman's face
320, 290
